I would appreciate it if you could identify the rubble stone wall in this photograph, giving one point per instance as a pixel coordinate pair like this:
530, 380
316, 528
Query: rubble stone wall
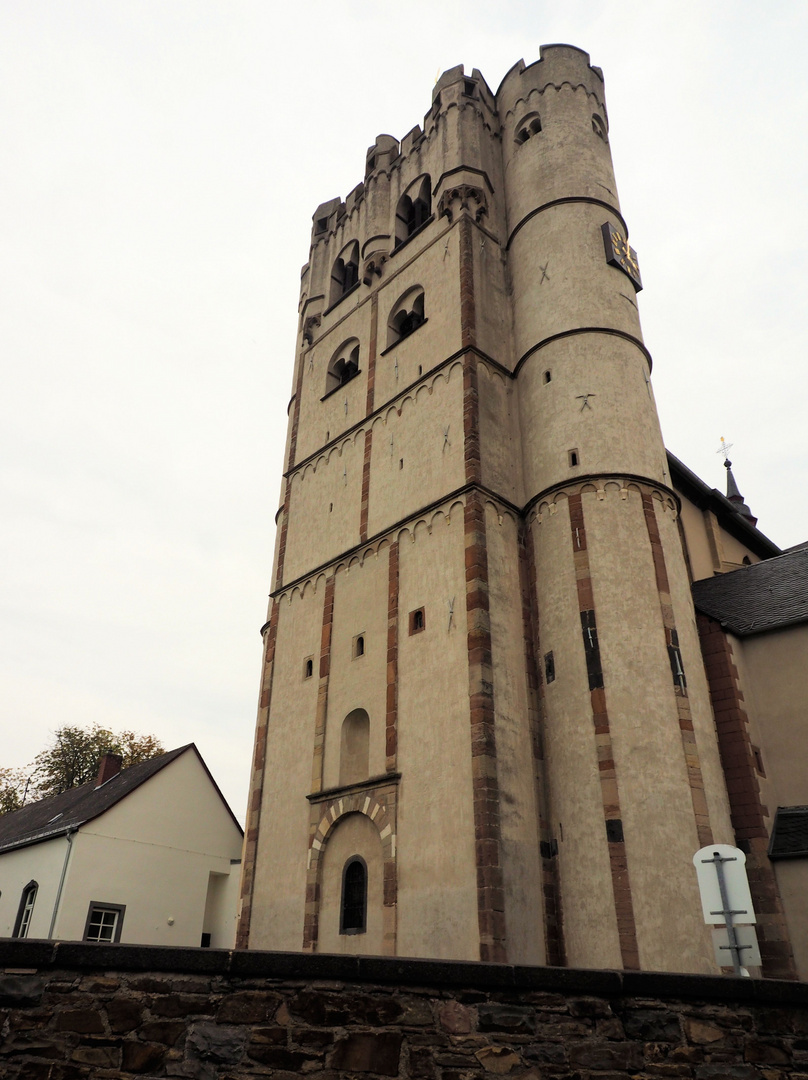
70, 1011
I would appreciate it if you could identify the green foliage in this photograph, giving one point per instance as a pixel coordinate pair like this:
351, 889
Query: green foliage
13, 786
72, 759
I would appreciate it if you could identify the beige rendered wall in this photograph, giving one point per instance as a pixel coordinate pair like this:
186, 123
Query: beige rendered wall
437, 878
590, 924
42, 863
277, 919
517, 766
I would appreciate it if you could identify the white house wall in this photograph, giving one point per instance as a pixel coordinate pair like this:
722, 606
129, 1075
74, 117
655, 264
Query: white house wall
41, 863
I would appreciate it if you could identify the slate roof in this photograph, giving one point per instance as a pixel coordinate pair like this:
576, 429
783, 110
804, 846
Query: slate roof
55, 816
768, 595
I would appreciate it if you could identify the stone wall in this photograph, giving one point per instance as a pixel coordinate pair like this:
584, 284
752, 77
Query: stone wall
70, 1011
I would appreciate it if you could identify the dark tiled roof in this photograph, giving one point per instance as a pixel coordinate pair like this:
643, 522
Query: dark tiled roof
55, 816
768, 595
790, 833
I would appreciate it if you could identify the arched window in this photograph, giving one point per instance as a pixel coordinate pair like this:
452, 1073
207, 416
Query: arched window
345, 272
308, 669
354, 906
406, 316
354, 747
25, 910
344, 365
414, 209
527, 127
599, 127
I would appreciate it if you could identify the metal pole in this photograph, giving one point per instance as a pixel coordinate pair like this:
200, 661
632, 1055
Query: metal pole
733, 940
69, 836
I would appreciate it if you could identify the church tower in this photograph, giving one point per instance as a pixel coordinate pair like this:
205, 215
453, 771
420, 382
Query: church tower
484, 728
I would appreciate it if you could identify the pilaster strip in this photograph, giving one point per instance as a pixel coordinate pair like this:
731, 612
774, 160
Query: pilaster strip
485, 787
363, 511
256, 795
689, 748
391, 719
746, 809
287, 501
610, 794
468, 316
296, 414
553, 926
374, 323
312, 908
322, 690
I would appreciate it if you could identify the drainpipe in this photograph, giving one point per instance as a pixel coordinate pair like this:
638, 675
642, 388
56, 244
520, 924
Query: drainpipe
69, 835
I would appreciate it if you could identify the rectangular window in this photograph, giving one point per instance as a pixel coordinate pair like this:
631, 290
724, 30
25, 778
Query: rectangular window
104, 922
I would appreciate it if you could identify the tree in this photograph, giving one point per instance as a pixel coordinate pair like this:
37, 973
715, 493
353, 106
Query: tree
13, 786
72, 759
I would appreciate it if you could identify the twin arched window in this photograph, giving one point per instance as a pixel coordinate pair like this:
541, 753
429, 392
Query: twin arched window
527, 127
414, 209
344, 365
345, 272
406, 316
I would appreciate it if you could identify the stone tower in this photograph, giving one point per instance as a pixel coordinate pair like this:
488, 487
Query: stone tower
484, 728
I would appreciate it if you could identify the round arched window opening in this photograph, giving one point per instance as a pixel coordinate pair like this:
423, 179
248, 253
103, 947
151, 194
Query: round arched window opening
354, 903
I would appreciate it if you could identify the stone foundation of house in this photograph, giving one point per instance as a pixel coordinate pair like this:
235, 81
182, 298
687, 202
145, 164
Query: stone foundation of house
70, 1011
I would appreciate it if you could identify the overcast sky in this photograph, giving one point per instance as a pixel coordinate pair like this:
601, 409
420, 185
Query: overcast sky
159, 165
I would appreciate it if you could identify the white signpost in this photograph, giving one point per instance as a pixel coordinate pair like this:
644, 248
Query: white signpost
725, 898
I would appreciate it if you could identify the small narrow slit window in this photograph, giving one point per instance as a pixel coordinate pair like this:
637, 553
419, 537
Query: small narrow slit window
549, 667
548, 376
308, 667
417, 621
573, 458
359, 646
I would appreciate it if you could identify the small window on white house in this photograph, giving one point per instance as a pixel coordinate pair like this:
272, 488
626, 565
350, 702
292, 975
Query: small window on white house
104, 923
25, 910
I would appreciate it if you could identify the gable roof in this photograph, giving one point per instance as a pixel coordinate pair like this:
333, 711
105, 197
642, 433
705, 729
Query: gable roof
67, 812
692, 487
768, 595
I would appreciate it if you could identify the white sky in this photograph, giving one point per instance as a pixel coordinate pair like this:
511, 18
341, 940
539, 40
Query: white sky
159, 165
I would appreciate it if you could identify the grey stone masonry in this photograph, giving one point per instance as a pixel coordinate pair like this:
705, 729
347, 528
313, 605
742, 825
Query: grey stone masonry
74, 1011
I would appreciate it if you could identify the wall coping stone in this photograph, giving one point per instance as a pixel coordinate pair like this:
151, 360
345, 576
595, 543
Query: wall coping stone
17, 956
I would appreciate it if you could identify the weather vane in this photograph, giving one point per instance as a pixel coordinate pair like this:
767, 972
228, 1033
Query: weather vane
724, 449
